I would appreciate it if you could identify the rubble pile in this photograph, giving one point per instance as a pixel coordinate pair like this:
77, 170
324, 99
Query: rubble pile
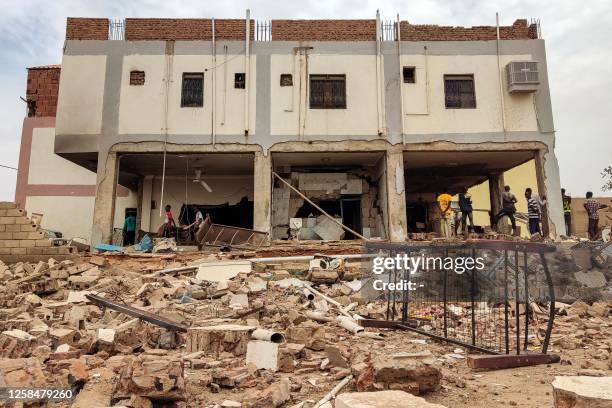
215, 330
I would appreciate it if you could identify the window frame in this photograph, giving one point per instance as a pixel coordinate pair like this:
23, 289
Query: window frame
409, 67
188, 76
327, 79
133, 79
289, 82
460, 77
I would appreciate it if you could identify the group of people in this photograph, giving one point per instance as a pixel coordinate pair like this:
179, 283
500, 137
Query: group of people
168, 228
459, 212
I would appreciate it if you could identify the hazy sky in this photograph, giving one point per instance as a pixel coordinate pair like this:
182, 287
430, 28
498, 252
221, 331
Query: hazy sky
578, 38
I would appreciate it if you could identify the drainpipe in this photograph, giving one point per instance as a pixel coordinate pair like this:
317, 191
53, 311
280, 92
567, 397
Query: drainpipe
247, 77
499, 75
224, 84
214, 84
378, 75
400, 77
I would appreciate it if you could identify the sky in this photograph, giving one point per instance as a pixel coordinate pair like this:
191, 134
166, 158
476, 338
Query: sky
578, 38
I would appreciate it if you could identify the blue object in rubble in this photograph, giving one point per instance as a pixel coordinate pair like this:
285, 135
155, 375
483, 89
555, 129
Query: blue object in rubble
107, 247
145, 244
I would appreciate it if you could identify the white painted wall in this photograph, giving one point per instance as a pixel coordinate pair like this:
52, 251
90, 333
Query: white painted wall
81, 92
486, 117
359, 117
226, 189
46, 167
142, 107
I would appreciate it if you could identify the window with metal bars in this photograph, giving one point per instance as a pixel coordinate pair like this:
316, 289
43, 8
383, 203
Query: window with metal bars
327, 91
459, 92
192, 94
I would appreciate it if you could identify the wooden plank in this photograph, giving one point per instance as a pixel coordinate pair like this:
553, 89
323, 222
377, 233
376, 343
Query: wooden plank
510, 360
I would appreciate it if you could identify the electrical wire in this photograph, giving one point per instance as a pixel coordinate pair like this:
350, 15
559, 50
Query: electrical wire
8, 167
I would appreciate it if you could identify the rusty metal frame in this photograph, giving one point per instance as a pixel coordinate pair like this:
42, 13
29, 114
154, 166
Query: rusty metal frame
217, 234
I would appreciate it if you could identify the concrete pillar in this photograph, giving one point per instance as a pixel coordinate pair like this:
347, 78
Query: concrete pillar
496, 187
262, 194
104, 207
396, 196
145, 209
549, 185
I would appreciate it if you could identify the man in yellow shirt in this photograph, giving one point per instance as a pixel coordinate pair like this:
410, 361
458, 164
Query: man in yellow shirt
444, 202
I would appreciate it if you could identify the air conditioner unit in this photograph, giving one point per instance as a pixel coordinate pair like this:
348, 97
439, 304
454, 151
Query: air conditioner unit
522, 76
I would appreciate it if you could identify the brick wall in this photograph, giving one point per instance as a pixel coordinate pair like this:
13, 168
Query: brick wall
520, 30
42, 89
79, 28
21, 239
138, 29
324, 30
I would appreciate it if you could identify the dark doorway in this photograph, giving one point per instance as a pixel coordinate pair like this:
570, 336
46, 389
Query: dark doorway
417, 217
236, 215
351, 215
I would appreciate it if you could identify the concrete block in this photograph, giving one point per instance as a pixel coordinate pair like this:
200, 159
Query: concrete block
2, 228
582, 392
28, 228
5, 251
6, 235
231, 338
2, 213
34, 251
106, 336
221, 271
7, 205
10, 243
328, 230
264, 354
382, 399
43, 243
38, 235
12, 228
22, 220
27, 243
16, 212
19, 235
7, 220
50, 250
19, 251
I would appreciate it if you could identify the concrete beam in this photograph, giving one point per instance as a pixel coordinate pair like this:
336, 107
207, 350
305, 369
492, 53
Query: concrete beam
549, 185
145, 210
262, 192
496, 186
104, 207
396, 196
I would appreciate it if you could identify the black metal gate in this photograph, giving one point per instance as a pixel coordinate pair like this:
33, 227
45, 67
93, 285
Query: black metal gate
506, 306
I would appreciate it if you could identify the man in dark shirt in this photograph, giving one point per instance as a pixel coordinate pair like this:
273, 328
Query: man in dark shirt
508, 209
465, 205
592, 206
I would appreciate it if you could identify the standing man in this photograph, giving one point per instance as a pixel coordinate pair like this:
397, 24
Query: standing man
534, 208
465, 204
592, 206
508, 209
567, 212
129, 229
444, 203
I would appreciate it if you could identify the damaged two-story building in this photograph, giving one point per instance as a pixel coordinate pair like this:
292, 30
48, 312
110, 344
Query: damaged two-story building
368, 119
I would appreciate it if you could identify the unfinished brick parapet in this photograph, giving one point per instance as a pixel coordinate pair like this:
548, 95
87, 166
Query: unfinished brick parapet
80, 28
42, 90
139, 29
520, 30
324, 30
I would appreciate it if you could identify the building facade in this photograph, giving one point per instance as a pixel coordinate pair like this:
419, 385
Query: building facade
371, 120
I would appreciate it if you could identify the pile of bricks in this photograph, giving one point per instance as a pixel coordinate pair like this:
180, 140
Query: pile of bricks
42, 90
22, 240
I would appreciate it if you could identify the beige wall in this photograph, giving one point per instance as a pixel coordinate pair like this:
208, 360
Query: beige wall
47, 167
81, 92
421, 119
142, 107
360, 115
226, 189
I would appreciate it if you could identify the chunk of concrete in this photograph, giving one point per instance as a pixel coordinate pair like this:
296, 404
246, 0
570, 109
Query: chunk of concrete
591, 279
106, 336
582, 392
264, 354
382, 399
221, 271
328, 230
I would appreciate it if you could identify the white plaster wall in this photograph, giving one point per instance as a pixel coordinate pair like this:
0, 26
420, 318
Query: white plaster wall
142, 107
46, 167
359, 117
81, 92
226, 189
486, 117
70, 215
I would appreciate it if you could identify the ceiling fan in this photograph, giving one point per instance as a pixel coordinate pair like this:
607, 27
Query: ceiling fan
198, 175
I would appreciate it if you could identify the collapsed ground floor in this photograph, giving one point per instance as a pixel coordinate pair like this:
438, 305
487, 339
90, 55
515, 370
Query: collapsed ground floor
377, 190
